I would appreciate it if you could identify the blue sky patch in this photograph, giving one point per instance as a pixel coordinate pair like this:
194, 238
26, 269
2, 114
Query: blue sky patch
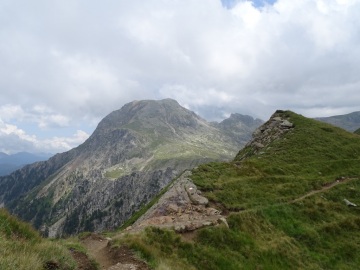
256, 3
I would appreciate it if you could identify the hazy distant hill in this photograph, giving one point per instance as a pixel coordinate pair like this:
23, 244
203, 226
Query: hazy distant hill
239, 127
133, 153
349, 122
10, 163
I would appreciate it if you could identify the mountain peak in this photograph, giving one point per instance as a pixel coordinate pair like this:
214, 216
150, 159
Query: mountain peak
160, 115
133, 153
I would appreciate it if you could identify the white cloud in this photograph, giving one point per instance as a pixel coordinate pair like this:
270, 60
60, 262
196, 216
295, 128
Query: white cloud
41, 115
14, 139
10, 111
61, 144
68, 61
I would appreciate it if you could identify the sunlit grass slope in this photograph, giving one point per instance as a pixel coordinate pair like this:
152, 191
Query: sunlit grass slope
306, 158
22, 248
285, 207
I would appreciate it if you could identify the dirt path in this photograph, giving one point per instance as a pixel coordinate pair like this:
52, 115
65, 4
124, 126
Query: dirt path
324, 188
97, 248
309, 194
112, 259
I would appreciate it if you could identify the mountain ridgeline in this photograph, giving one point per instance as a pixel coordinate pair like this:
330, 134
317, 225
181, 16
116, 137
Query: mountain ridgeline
10, 163
133, 153
349, 122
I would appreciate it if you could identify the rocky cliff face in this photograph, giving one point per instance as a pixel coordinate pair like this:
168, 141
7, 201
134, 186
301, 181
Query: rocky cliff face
133, 153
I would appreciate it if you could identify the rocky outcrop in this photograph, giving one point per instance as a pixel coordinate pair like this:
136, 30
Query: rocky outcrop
348, 203
272, 130
181, 208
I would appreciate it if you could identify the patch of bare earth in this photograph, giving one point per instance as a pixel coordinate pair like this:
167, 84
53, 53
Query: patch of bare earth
112, 259
83, 261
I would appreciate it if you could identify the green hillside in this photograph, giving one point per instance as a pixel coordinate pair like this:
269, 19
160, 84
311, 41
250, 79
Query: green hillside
286, 199
357, 131
22, 248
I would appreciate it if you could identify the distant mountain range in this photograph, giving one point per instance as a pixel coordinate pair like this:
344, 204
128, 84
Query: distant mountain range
133, 153
10, 163
349, 122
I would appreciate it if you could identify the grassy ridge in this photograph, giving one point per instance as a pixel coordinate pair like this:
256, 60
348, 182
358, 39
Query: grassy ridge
269, 228
310, 156
22, 248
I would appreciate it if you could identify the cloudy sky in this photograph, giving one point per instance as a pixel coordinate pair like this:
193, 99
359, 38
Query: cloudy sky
65, 64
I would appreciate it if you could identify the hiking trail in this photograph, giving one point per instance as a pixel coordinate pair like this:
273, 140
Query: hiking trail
121, 258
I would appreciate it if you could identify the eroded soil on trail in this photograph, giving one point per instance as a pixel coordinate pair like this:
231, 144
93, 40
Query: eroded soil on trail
121, 258
83, 261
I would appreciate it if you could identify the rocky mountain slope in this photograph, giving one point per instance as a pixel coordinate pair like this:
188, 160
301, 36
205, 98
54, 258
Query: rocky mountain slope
349, 122
133, 153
